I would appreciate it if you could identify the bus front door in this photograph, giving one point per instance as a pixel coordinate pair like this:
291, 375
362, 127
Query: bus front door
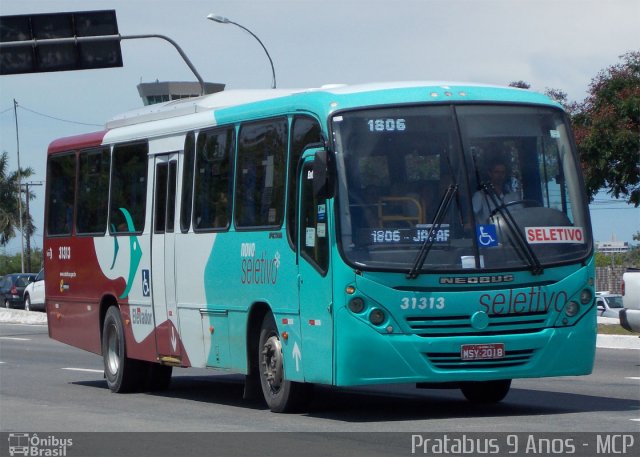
165, 308
314, 282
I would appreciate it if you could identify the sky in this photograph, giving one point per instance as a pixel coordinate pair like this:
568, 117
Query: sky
559, 44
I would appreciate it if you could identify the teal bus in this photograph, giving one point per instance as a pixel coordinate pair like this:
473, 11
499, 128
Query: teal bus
428, 233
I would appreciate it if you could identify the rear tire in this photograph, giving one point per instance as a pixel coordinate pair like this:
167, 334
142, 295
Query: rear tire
122, 373
486, 391
281, 395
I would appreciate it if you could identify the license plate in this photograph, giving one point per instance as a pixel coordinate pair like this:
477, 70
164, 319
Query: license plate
482, 351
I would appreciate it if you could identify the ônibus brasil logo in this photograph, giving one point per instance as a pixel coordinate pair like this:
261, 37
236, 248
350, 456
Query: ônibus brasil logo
34, 445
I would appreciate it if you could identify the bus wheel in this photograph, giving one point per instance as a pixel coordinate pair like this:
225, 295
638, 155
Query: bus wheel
281, 395
486, 391
122, 373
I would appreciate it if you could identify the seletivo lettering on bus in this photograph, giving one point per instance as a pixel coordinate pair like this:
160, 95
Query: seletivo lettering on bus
258, 270
532, 301
536, 235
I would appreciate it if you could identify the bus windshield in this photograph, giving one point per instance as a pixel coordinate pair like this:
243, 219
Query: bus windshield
463, 186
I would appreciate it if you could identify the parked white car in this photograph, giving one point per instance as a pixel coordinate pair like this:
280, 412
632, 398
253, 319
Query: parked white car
34, 294
630, 315
609, 305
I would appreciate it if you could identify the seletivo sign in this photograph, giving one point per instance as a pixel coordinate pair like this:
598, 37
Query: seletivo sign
539, 235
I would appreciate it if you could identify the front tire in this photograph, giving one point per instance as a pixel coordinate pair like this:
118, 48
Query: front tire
27, 303
122, 373
281, 395
486, 391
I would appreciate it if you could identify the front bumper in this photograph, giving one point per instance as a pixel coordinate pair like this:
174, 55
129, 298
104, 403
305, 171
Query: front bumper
553, 351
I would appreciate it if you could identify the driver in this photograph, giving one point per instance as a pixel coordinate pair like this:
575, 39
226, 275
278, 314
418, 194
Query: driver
483, 203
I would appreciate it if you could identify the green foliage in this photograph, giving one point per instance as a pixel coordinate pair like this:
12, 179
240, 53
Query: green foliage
520, 84
13, 263
632, 258
9, 207
627, 259
607, 130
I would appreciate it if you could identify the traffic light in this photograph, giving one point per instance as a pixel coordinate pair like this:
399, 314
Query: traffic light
35, 43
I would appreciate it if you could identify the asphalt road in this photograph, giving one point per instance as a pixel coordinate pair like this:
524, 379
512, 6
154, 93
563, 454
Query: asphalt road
46, 385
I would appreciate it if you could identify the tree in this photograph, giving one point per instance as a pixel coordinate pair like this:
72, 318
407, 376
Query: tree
520, 84
9, 207
13, 263
607, 130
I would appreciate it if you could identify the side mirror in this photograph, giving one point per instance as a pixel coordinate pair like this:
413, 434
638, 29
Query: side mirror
323, 174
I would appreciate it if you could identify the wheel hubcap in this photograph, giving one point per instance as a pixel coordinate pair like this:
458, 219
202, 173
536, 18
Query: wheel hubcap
113, 350
272, 366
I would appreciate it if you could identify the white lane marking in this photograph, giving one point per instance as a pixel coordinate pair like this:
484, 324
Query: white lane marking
636, 420
633, 378
14, 338
88, 370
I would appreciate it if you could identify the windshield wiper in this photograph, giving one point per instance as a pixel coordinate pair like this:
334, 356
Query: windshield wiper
523, 248
431, 236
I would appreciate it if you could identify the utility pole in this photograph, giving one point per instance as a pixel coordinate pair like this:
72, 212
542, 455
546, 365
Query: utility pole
15, 112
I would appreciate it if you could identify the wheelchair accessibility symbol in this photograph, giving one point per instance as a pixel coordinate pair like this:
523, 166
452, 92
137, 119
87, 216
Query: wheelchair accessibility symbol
146, 286
487, 235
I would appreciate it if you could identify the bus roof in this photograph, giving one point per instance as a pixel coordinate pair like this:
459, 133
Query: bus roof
358, 95
70, 143
233, 105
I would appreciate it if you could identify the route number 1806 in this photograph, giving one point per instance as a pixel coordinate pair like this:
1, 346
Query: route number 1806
386, 125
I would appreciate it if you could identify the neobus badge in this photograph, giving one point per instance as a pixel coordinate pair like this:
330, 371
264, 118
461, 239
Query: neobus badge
476, 279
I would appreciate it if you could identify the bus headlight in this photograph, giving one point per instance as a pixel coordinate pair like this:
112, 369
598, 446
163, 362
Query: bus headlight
571, 308
377, 317
356, 305
586, 296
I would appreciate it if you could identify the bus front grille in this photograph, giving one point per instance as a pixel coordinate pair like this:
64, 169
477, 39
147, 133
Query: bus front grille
498, 324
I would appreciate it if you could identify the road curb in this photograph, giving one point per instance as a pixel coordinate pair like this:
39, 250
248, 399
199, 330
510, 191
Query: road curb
20, 316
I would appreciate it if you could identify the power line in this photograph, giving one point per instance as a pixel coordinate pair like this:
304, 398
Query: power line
59, 119
51, 117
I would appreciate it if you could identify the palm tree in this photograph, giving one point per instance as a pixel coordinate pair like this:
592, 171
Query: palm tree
9, 208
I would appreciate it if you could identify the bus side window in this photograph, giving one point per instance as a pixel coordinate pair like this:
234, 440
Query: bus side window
187, 182
261, 174
61, 180
128, 188
314, 244
160, 206
305, 131
213, 179
93, 191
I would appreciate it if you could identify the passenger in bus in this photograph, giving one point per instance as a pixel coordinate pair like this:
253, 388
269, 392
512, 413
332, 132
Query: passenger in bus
483, 204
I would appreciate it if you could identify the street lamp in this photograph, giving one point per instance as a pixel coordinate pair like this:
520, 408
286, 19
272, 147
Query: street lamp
224, 20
